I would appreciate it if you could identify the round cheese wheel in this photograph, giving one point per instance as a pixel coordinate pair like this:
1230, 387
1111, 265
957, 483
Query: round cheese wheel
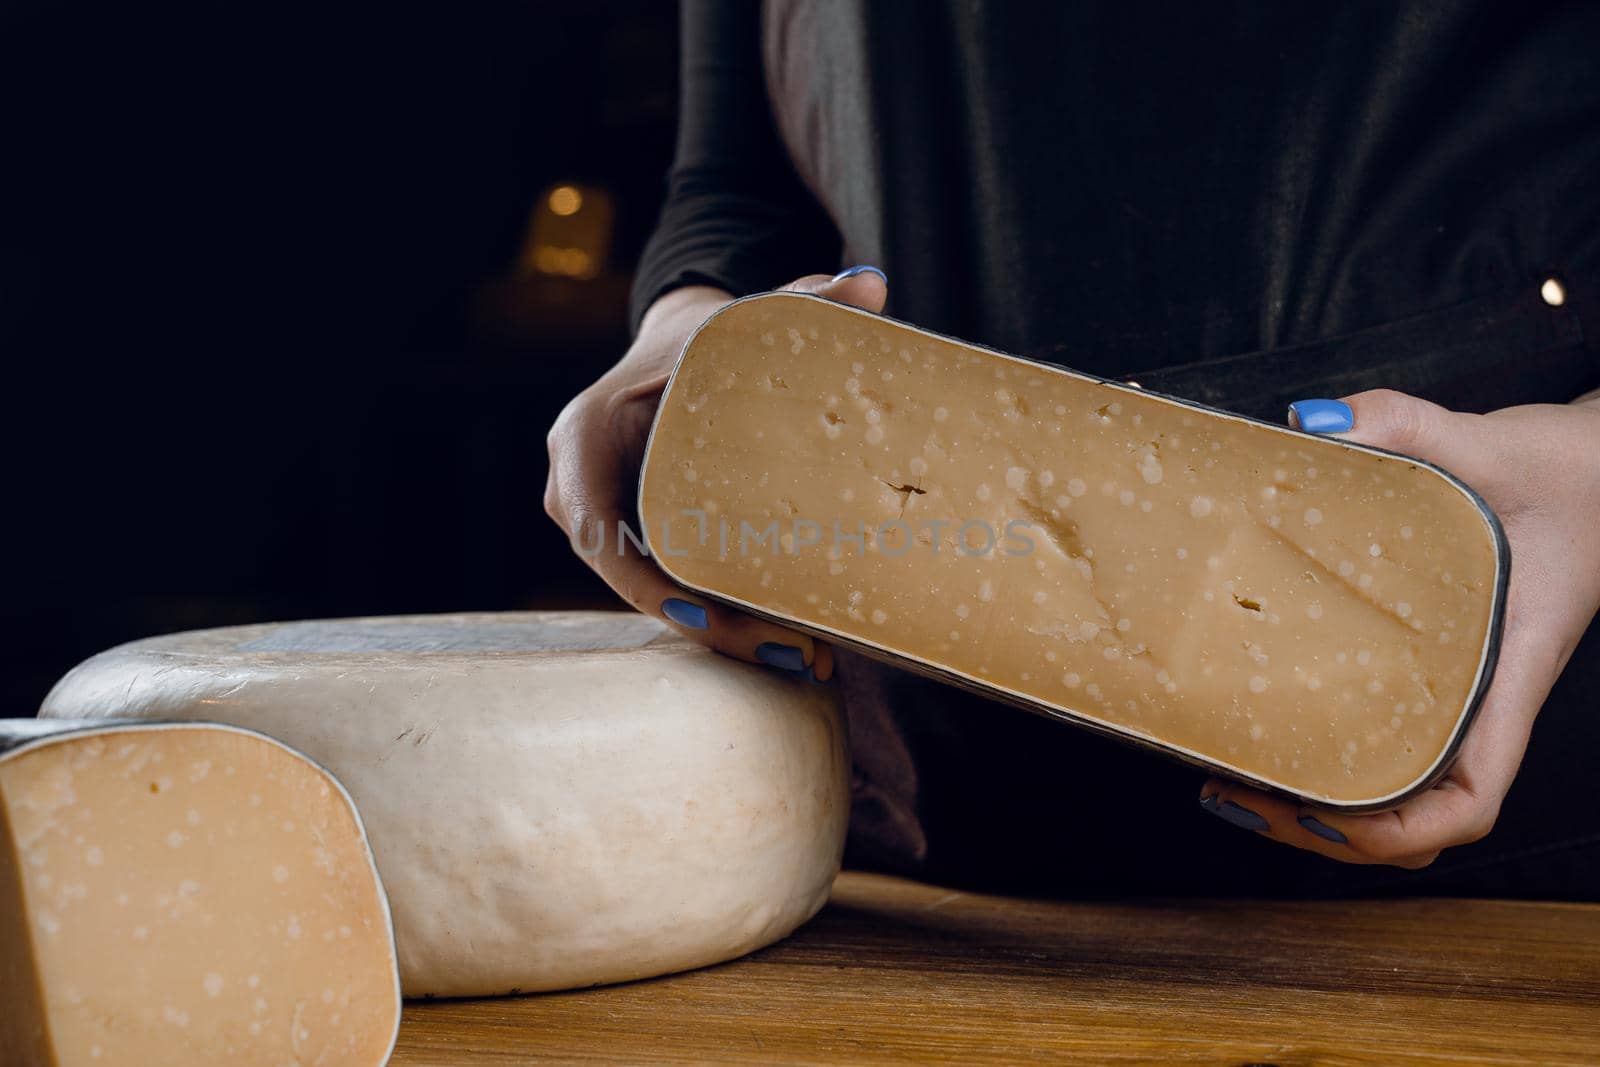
554, 799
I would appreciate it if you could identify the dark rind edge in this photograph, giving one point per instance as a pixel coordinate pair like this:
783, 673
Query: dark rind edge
21, 735
1487, 662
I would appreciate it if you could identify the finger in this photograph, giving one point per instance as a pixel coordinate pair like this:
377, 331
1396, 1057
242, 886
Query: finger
863, 287
1410, 836
596, 527
1413, 834
1270, 816
1406, 424
822, 665
1283, 821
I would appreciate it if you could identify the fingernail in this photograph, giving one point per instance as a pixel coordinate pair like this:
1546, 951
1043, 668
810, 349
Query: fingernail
1237, 814
1321, 416
851, 272
1323, 830
787, 657
811, 676
684, 613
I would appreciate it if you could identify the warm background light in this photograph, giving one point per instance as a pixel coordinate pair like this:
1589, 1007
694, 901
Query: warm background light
565, 200
570, 232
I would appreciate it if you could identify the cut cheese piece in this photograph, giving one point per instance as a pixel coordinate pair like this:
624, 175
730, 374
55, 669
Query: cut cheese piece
185, 894
554, 800
1308, 615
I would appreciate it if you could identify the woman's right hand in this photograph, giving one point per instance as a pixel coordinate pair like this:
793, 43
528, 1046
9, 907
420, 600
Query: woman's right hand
596, 448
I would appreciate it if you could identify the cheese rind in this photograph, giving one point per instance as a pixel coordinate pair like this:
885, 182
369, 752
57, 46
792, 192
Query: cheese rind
189, 893
1313, 616
554, 800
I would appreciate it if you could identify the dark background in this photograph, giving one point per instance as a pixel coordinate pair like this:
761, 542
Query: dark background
266, 353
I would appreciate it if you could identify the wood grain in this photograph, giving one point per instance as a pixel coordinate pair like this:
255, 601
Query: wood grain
894, 972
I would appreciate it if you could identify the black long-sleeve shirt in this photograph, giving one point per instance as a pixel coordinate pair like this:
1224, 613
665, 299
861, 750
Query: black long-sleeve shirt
1121, 188
1245, 204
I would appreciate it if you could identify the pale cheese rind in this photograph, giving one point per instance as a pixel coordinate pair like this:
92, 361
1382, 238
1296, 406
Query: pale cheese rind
554, 799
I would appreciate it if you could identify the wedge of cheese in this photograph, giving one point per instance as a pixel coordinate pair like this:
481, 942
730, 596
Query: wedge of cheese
185, 893
555, 800
1305, 614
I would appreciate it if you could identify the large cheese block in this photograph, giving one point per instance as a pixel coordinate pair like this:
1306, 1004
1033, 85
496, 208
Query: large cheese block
554, 800
1311, 616
186, 893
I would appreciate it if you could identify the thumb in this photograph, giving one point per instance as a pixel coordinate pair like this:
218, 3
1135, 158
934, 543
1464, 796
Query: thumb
1400, 423
863, 287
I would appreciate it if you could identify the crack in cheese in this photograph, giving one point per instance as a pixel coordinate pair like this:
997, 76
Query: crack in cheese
554, 799
1303, 613
185, 894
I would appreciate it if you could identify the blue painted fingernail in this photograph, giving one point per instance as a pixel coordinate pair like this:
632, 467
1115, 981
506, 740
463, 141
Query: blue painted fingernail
1237, 814
1321, 416
1323, 830
851, 272
787, 657
684, 613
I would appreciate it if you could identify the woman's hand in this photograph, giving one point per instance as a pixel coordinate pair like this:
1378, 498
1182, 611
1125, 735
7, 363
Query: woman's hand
597, 445
1538, 467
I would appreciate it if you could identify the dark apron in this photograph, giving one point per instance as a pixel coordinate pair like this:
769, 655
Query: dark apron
961, 791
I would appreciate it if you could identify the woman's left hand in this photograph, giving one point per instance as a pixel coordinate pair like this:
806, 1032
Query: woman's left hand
1538, 467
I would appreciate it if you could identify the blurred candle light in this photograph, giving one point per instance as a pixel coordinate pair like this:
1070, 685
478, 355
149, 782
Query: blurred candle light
565, 200
569, 234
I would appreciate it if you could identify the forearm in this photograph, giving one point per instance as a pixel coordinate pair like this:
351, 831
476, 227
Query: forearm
736, 216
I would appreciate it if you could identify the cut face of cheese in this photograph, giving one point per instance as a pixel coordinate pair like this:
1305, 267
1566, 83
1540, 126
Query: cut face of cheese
185, 894
1314, 617
554, 800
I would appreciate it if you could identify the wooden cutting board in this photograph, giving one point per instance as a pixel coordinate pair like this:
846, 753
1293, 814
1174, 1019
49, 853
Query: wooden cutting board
897, 972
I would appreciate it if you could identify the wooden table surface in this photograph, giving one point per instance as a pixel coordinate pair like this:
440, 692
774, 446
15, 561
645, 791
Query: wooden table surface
897, 972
